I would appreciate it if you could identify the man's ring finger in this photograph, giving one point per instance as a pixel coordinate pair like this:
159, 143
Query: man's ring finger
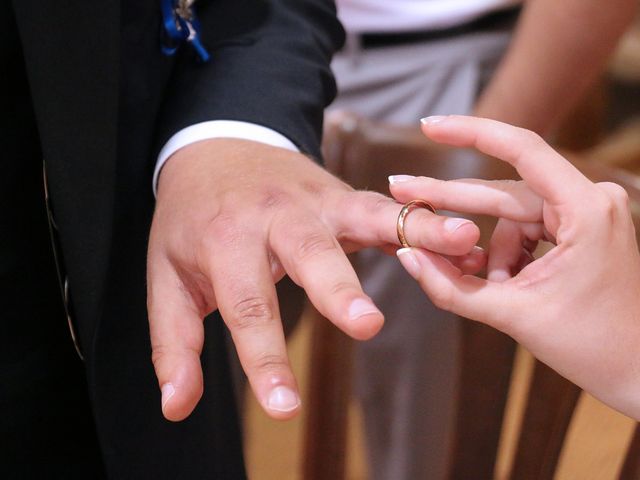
408, 207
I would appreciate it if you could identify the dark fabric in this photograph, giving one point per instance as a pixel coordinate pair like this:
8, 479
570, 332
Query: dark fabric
72, 60
260, 75
491, 21
46, 424
105, 99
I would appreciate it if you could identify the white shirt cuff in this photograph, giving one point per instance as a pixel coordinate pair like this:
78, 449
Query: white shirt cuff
219, 129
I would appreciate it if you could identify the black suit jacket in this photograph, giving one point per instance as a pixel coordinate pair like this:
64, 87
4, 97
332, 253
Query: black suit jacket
106, 100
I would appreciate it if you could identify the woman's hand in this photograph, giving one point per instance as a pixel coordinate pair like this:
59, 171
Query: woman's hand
577, 308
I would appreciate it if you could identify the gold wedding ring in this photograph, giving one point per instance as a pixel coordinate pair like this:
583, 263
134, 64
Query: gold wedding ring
408, 207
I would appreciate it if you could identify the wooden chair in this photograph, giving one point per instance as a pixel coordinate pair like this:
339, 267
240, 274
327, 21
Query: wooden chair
364, 153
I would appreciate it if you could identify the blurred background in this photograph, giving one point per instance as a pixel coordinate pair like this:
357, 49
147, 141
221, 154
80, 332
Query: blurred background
585, 439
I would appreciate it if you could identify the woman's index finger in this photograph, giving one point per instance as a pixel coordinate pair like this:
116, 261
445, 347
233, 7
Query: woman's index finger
544, 170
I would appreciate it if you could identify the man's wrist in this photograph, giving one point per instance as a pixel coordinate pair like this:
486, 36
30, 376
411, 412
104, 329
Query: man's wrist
218, 129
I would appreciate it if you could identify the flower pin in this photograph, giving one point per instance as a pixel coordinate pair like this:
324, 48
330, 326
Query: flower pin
181, 25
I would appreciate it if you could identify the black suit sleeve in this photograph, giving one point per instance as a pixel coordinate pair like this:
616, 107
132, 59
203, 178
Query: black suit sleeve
269, 66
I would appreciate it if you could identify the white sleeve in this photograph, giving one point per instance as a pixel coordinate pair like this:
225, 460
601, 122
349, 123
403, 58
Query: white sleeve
219, 129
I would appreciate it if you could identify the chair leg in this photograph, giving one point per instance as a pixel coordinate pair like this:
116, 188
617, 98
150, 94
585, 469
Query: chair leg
327, 402
543, 428
484, 385
631, 467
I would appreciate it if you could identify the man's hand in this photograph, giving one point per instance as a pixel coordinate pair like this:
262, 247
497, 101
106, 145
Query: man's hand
232, 218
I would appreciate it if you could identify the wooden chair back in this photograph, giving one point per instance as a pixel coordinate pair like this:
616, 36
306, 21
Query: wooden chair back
364, 153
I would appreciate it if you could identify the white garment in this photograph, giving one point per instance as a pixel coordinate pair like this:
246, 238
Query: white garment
379, 16
219, 129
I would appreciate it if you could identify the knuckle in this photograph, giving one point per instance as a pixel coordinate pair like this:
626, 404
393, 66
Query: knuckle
508, 186
617, 193
223, 230
274, 198
524, 141
252, 312
341, 287
376, 200
605, 208
317, 189
158, 352
269, 363
363, 202
315, 244
531, 138
167, 353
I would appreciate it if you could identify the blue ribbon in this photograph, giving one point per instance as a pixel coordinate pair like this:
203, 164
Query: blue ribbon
180, 29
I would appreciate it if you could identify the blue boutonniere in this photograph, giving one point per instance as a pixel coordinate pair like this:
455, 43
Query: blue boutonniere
180, 25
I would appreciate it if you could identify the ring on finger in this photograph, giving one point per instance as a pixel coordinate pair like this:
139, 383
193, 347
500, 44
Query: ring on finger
408, 207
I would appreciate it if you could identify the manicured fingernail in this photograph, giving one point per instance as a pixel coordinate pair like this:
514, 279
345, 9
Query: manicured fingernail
432, 120
167, 392
361, 307
393, 179
283, 399
409, 261
453, 224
